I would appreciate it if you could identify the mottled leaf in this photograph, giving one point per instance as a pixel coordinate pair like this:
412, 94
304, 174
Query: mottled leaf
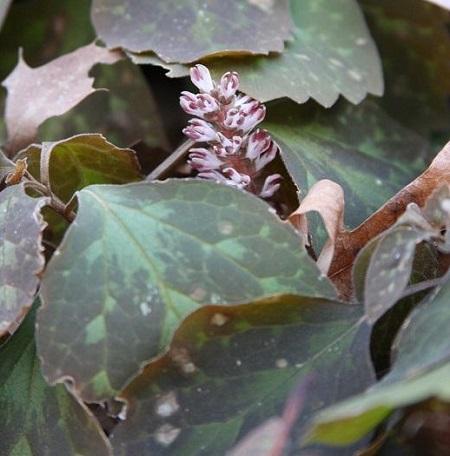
390, 269
321, 62
84, 160
21, 258
414, 43
360, 148
147, 256
36, 419
186, 31
421, 370
230, 369
56, 87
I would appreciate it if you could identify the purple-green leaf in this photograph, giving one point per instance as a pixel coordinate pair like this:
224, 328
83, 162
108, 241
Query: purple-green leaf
21, 258
36, 419
230, 369
189, 30
139, 258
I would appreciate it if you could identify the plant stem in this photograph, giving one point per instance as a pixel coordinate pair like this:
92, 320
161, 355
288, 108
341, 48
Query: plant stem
163, 168
54, 202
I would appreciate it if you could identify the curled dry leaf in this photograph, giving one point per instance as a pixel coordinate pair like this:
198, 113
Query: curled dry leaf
327, 198
57, 87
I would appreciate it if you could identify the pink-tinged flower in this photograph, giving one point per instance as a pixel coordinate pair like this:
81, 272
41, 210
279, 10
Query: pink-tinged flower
230, 146
271, 185
202, 159
242, 100
199, 105
228, 86
200, 131
236, 179
266, 157
201, 78
233, 119
253, 117
235, 155
258, 142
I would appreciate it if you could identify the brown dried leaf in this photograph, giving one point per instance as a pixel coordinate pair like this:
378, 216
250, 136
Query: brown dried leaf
349, 243
327, 198
16, 175
55, 87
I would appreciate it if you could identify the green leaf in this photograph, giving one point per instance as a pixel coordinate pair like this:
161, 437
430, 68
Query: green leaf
140, 258
361, 148
321, 62
36, 419
186, 31
421, 370
84, 160
230, 369
21, 258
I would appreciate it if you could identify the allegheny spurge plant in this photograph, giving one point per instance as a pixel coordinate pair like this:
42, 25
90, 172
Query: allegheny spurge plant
152, 301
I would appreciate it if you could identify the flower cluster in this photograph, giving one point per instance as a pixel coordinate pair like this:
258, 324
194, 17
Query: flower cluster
236, 153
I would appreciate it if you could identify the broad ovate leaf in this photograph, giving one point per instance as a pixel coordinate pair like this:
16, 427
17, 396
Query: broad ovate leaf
420, 371
320, 62
83, 160
189, 30
140, 258
230, 369
56, 87
21, 258
37, 419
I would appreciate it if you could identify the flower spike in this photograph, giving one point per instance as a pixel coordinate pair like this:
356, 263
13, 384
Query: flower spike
235, 155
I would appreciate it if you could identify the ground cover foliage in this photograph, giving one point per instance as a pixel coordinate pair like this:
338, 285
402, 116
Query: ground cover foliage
275, 284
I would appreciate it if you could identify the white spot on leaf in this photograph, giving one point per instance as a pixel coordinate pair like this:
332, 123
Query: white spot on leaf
166, 434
